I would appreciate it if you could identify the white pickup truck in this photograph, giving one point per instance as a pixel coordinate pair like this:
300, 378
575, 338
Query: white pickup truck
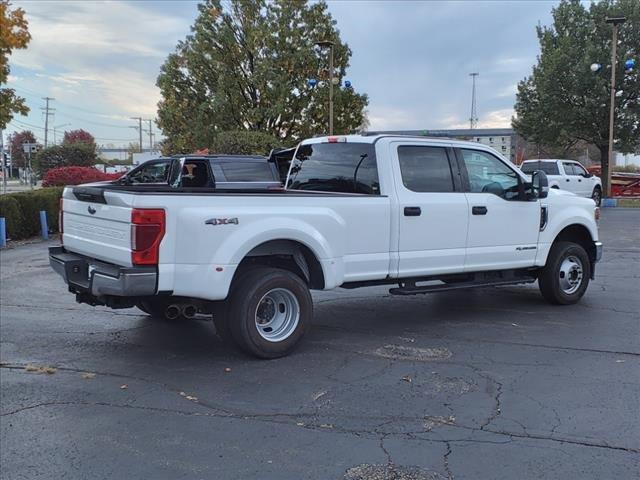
567, 175
419, 214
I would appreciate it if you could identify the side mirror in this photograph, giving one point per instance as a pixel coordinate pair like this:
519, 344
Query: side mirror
587, 175
540, 184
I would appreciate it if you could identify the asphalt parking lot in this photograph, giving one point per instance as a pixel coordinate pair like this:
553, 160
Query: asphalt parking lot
484, 384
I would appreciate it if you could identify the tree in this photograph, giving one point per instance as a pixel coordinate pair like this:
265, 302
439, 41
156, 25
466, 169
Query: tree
247, 66
563, 101
243, 143
133, 147
14, 33
18, 157
79, 136
77, 154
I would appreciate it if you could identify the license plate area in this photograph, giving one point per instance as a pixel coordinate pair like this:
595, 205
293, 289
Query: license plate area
78, 273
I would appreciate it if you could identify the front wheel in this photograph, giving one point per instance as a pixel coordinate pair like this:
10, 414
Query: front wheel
597, 196
268, 312
565, 277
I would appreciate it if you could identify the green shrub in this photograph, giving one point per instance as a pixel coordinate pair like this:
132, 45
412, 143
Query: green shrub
74, 155
22, 211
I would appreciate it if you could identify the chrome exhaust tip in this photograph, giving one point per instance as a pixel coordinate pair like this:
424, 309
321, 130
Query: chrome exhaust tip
172, 312
189, 311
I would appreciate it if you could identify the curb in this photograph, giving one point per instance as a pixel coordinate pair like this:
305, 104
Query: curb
621, 202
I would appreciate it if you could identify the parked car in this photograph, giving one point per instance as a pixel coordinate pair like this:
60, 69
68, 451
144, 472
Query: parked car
225, 172
567, 175
422, 214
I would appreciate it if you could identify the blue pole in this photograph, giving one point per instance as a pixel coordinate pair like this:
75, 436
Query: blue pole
3, 232
43, 225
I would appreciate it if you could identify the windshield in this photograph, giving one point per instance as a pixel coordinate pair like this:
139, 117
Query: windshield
335, 167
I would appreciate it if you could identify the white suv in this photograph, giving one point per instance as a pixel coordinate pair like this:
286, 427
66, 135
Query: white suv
567, 175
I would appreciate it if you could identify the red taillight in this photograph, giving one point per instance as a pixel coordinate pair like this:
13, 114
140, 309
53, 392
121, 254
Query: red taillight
61, 221
147, 230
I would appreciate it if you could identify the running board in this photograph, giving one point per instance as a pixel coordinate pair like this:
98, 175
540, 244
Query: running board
415, 290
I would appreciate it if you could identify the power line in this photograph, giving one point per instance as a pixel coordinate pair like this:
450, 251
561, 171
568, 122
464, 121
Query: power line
92, 122
77, 108
18, 127
22, 124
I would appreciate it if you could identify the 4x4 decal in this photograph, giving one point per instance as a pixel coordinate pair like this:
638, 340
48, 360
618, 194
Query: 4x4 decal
222, 221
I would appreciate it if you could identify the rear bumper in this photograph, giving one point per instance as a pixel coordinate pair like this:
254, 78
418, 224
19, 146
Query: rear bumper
100, 279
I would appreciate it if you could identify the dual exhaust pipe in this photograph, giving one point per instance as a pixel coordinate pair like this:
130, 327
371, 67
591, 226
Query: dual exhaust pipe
175, 310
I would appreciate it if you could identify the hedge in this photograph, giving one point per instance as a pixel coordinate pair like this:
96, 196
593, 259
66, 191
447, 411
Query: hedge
59, 177
22, 211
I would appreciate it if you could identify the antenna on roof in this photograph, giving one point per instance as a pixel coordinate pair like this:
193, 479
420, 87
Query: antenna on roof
473, 120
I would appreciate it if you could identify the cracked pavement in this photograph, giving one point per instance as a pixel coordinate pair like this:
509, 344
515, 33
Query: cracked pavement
484, 384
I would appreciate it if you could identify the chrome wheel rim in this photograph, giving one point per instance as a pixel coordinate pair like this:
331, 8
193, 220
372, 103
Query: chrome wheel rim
596, 197
277, 315
570, 275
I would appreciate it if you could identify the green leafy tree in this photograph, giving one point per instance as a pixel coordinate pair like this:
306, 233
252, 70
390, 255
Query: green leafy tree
79, 154
563, 101
246, 67
243, 142
14, 33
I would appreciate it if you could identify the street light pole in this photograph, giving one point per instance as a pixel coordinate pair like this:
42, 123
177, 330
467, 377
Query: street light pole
615, 21
56, 127
330, 45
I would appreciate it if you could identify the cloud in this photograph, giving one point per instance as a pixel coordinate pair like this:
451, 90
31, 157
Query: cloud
413, 58
100, 60
493, 119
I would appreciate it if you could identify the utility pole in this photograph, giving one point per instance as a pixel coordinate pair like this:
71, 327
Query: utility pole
4, 163
150, 135
473, 120
330, 45
139, 127
47, 111
615, 21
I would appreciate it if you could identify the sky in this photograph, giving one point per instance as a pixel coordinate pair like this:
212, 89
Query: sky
100, 61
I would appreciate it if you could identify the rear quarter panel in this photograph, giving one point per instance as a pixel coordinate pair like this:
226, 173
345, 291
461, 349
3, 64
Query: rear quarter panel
349, 235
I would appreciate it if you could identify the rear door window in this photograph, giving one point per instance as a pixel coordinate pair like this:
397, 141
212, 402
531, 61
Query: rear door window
425, 169
239, 171
335, 167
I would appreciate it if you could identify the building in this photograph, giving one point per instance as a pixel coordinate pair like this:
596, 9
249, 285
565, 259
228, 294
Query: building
502, 139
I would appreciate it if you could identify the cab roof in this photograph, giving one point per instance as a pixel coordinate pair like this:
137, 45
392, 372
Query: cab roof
373, 137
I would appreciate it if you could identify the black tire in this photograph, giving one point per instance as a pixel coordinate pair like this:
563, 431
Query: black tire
551, 281
597, 196
260, 288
